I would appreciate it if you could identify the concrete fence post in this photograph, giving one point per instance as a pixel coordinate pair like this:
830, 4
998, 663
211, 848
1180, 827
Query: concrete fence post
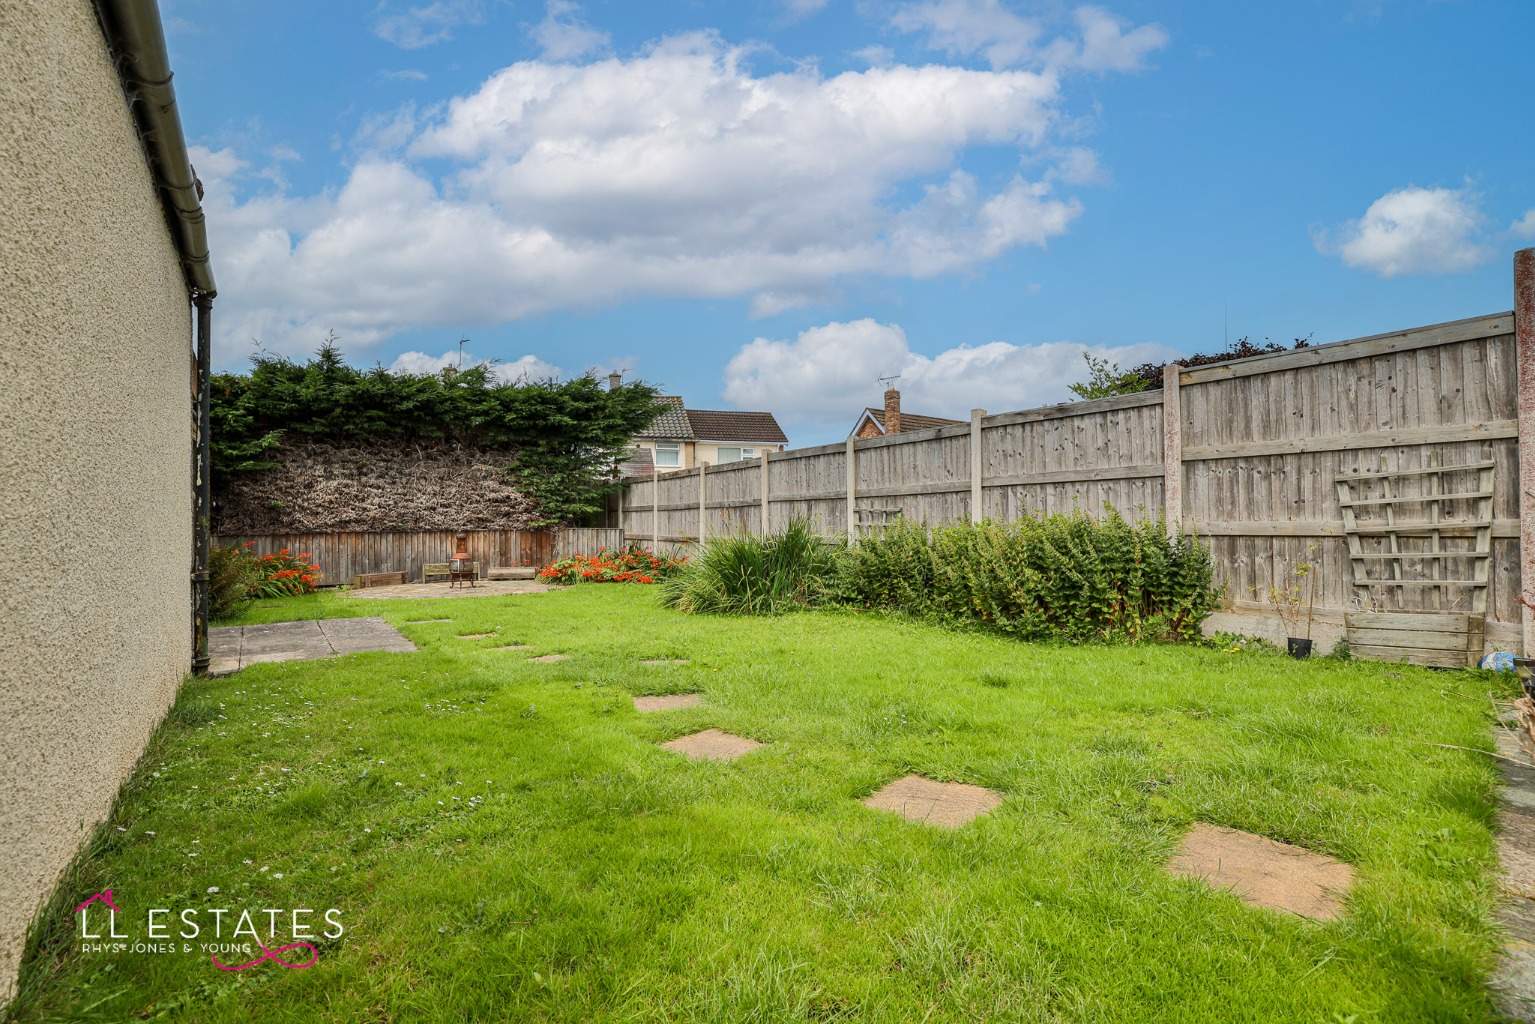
1172, 451
852, 489
765, 524
655, 510
976, 415
703, 508
1524, 346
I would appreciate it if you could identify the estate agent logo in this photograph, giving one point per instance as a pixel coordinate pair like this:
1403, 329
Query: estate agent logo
287, 929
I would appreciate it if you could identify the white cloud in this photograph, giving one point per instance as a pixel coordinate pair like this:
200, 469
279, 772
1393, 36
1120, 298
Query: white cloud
1524, 227
991, 30
1412, 231
829, 373
405, 75
677, 172
804, 8
416, 27
563, 35
525, 368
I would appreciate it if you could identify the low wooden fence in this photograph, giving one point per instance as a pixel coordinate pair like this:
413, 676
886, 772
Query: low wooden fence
1248, 454
342, 556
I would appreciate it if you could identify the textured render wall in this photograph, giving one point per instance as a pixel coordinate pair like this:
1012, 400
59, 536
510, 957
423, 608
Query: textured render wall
95, 450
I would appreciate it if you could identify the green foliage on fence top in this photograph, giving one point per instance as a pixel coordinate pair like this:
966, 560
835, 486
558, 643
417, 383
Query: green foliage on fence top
567, 434
1068, 577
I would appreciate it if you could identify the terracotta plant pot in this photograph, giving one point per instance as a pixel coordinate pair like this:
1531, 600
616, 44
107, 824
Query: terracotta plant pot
1299, 648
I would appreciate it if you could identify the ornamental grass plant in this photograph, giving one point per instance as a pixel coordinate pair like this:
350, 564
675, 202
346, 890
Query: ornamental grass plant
746, 575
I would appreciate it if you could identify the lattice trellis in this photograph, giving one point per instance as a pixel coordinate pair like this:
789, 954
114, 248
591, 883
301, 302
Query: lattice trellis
1444, 553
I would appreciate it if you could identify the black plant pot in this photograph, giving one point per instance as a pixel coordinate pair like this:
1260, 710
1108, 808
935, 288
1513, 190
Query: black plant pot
1299, 648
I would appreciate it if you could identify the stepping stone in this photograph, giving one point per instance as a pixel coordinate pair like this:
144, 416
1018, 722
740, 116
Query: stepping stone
669, 702
514, 647
665, 661
546, 658
712, 745
417, 622
946, 804
474, 636
1264, 872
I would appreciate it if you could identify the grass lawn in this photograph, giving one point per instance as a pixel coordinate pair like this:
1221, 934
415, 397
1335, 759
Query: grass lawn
506, 841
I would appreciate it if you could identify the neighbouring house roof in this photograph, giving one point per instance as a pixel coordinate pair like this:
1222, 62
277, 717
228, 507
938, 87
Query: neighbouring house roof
758, 427
909, 421
676, 423
671, 424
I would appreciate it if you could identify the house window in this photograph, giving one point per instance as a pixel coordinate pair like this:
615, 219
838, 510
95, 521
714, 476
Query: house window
668, 454
736, 454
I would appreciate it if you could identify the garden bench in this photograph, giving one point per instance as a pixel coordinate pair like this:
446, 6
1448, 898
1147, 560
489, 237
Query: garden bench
444, 570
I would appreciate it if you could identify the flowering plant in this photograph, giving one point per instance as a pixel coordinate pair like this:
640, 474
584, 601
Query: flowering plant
634, 565
284, 574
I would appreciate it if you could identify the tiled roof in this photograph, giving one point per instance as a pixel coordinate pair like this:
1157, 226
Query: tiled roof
758, 427
912, 421
671, 424
636, 462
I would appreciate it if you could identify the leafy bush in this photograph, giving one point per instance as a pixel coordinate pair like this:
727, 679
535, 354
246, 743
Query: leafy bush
1068, 577
285, 575
635, 565
755, 575
232, 576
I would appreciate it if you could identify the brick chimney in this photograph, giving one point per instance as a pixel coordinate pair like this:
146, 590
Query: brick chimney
892, 411
614, 380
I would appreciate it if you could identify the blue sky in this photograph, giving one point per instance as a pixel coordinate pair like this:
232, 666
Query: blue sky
770, 204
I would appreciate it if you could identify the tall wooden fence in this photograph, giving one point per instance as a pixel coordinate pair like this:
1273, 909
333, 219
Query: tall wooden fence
1246, 453
341, 556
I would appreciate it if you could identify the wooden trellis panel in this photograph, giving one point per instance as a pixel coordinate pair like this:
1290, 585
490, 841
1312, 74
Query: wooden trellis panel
1445, 556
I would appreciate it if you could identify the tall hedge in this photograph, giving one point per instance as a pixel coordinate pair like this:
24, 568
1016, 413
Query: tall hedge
567, 435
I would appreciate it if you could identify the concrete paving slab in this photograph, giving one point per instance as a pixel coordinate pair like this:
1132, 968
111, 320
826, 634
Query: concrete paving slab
1264, 872
232, 648
946, 804
547, 658
1514, 983
513, 647
351, 636
669, 702
712, 745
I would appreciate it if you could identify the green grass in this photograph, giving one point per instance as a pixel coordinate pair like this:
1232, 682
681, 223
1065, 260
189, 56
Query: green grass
595, 877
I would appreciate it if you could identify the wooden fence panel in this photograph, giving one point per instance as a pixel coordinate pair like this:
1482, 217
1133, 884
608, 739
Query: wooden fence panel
342, 556
1255, 446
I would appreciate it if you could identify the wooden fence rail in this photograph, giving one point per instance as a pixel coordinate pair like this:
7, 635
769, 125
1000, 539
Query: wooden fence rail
1245, 454
342, 556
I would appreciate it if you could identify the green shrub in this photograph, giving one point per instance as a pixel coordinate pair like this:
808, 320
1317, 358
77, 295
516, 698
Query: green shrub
1068, 577
232, 577
754, 575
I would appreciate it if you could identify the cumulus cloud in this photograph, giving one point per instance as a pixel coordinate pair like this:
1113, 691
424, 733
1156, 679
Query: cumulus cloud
417, 27
526, 368
1524, 227
994, 32
677, 172
563, 34
828, 373
1412, 231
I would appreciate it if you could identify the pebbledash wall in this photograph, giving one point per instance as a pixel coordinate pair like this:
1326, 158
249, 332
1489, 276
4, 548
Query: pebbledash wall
95, 451
1246, 454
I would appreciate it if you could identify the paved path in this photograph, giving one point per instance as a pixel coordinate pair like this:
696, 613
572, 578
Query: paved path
1515, 981
231, 648
432, 591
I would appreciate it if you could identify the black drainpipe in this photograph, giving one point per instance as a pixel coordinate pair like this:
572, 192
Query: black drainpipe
202, 484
